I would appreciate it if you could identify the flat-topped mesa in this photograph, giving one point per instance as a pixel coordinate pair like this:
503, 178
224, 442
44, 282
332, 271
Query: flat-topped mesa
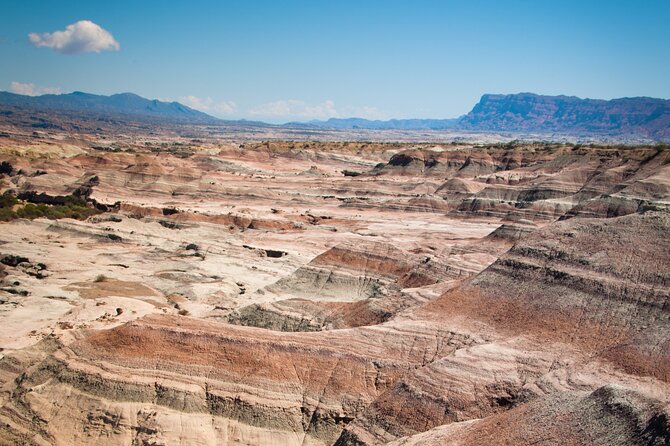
569, 115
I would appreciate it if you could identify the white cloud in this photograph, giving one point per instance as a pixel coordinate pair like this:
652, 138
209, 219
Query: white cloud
83, 36
224, 108
32, 89
208, 105
196, 102
365, 111
295, 109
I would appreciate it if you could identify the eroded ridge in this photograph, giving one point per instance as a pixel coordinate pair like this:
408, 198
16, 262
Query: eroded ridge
303, 293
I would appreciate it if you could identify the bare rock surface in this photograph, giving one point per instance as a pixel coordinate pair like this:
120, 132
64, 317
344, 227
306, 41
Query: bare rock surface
259, 293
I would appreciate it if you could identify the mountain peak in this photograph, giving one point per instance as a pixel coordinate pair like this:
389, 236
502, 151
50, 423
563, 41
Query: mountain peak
125, 104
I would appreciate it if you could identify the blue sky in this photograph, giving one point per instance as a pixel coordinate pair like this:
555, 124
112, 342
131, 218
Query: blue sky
287, 60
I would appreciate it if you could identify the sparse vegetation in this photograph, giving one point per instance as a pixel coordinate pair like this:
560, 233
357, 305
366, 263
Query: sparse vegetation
6, 167
183, 312
100, 278
73, 207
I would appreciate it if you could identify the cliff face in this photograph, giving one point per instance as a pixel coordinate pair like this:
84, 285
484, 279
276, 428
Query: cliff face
527, 112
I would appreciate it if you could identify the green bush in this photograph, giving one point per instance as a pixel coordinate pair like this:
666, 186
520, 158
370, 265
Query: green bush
6, 214
7, 200
32, 211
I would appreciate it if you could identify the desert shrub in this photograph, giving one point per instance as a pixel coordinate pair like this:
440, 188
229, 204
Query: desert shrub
29, 211
6, 214
7, 200
71, 207
183, 312
6, 167
100, 278
68, 211
74, 200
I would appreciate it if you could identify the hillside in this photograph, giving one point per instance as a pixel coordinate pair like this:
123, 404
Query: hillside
123, 104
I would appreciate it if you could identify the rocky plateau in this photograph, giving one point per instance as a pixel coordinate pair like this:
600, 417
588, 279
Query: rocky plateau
158, 289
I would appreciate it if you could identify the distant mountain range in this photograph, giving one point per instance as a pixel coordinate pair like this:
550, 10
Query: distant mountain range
529, 113
123, 104
392, 124
523, 113
532, 113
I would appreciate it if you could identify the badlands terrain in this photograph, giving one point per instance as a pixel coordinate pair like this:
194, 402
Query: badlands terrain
164, 290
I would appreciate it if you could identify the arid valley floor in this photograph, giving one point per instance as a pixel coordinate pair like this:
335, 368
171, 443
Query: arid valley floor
320, 293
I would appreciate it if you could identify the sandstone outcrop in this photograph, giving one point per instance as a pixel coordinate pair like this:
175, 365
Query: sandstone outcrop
253, 294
